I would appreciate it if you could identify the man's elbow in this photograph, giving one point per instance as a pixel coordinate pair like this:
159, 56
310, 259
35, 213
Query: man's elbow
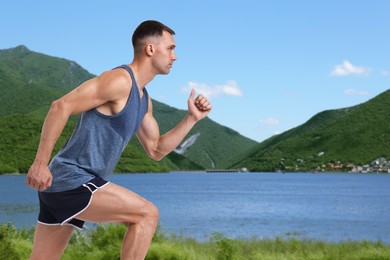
156, 155
60, 106
57, 105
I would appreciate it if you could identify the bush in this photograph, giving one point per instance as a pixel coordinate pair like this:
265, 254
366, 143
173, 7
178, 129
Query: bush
226, 247
14, 244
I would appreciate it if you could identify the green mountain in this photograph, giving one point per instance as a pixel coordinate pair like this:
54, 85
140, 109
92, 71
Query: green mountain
350, 136
30, 81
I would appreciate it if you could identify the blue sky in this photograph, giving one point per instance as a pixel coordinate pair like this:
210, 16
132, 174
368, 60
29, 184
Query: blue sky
267, 66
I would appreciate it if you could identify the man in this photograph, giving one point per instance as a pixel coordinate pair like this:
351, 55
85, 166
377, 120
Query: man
113, 106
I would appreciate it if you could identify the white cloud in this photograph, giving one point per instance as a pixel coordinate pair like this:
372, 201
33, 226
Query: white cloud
385, 73
346, 68
354, 92
231, 88
270, 121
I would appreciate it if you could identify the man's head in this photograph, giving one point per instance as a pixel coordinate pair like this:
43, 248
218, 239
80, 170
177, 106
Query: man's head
153, 42
146, 30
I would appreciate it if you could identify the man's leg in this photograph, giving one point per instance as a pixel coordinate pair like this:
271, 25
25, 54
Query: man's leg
113, 203
50, 241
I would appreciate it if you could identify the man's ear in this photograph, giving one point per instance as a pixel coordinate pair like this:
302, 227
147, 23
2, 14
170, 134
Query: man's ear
149, 49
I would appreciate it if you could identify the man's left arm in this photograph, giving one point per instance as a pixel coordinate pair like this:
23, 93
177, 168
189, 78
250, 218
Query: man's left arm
157, 146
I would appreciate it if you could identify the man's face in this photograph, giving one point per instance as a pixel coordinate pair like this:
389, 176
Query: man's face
164, 53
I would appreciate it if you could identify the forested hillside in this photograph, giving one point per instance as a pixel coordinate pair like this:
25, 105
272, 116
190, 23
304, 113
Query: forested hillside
333, 139
30, 81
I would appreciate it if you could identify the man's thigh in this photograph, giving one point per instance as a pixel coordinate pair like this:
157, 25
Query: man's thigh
50, 241
113, 203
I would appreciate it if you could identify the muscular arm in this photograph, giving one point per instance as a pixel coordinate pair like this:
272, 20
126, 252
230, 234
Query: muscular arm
108, 87
157, 146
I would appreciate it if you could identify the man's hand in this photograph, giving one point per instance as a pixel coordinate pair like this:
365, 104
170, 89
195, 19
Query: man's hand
39, 176
198, 107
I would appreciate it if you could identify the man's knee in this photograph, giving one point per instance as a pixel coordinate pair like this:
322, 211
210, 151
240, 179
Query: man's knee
148, 215
151, 213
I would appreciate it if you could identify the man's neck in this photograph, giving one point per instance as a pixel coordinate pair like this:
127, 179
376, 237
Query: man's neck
142, 75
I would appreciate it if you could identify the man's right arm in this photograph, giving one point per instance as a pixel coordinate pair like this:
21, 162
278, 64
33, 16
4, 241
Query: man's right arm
39, 176
90, 94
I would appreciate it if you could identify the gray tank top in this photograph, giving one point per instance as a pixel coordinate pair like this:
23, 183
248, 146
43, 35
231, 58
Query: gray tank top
97, 142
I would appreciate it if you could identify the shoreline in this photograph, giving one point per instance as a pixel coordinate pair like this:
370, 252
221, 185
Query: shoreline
230, 171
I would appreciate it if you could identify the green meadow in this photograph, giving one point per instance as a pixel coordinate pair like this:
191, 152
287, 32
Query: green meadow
104, 242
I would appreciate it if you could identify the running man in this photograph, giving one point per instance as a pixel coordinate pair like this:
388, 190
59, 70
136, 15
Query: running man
73, 187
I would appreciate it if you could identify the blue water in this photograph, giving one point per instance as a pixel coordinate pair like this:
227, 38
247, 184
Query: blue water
330, 207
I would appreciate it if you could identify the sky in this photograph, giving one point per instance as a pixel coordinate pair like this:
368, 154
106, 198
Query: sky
266, 66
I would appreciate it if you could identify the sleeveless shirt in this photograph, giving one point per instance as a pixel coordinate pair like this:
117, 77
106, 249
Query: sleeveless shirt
97, 142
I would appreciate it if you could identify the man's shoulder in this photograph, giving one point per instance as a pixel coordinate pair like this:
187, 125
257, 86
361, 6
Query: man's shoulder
117, 77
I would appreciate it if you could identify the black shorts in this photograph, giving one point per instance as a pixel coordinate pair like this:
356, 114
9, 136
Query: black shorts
61, 208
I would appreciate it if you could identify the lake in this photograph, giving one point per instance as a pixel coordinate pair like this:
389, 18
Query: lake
321, 206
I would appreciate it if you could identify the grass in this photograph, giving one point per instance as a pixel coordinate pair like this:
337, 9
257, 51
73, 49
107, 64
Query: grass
104, 242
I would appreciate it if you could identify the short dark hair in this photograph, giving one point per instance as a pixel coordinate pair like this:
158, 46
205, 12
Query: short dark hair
147, 29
